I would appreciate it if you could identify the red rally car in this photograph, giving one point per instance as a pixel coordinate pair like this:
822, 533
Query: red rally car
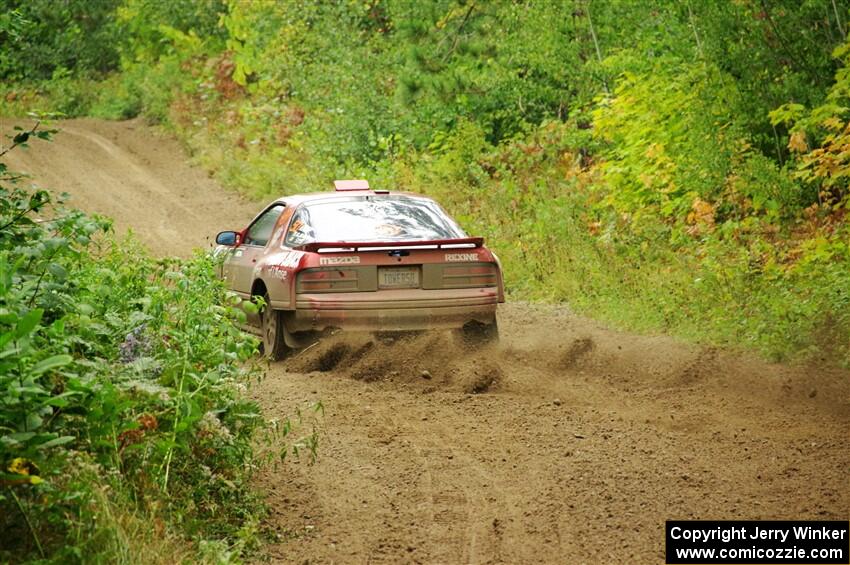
359, 259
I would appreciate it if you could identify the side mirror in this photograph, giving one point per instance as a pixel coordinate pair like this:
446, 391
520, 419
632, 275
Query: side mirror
229, 238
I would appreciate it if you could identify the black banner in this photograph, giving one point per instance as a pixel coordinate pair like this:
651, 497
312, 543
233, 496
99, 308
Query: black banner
752, 541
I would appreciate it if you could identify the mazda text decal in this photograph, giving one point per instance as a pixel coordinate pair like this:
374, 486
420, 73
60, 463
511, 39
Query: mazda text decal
346, 260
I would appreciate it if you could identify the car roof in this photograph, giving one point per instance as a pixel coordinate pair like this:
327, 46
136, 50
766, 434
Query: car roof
298, 199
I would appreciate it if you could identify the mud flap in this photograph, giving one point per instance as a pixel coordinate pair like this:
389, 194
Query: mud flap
298, 340
478, 334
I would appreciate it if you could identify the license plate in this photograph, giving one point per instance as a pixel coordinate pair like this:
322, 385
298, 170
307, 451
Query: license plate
398, 277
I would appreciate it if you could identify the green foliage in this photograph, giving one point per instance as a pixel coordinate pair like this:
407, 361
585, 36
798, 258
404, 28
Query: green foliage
501, 64
671, 136
41, 37
153, 29
820, 137
674, 142
777, 51
117, 372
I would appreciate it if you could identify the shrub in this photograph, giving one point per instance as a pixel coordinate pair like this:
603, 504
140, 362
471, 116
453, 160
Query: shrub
119, 374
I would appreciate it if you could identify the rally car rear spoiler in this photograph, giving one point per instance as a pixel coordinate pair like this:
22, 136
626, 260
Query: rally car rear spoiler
358, 245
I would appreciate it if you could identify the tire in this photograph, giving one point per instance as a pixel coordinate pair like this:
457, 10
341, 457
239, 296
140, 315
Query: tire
271, 325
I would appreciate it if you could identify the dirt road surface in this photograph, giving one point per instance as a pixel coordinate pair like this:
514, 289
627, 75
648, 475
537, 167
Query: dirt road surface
140, 180
565, 443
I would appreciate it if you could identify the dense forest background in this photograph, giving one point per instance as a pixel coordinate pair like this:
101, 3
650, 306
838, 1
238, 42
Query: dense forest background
663, 165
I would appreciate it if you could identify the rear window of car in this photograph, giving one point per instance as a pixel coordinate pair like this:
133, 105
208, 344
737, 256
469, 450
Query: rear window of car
371, 219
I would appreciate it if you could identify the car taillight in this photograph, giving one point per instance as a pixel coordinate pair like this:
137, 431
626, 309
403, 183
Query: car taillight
327, 280
470, 275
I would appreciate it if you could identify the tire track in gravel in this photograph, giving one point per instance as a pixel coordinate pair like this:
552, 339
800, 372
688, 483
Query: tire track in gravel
568, 442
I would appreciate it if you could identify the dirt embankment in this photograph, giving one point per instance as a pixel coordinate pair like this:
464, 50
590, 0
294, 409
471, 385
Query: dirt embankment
139, 179
566, 442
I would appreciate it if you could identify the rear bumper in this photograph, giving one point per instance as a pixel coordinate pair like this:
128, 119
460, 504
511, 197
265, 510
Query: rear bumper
413, 309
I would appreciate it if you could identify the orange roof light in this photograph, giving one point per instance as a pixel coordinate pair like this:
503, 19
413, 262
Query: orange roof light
342, 185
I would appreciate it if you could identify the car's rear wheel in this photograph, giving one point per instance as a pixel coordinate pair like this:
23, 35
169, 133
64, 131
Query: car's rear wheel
271, 324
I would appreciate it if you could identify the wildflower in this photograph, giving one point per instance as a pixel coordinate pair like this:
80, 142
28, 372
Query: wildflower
25, 469
212, 426
130, 437
21, 466
148, 422
136, 344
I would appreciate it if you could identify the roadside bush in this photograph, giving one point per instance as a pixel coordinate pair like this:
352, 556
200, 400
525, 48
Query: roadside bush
40, 37
121, 382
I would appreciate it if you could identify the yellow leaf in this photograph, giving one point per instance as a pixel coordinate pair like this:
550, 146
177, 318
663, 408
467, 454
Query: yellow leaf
19, 466
797, 143
832, 123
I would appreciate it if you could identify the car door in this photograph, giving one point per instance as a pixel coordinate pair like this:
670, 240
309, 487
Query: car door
240, 267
